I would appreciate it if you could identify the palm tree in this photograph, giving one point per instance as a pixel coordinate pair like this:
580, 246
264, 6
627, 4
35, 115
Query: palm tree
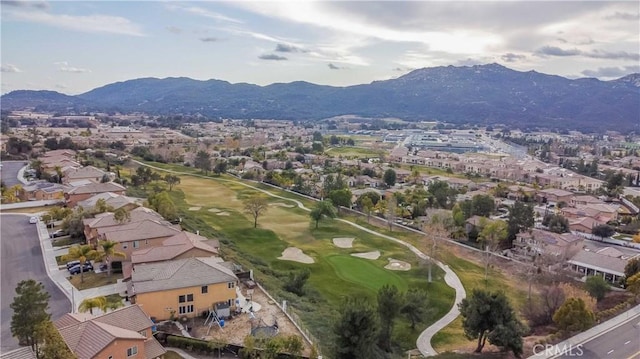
112, 304
81, 253
108, 252
89, 304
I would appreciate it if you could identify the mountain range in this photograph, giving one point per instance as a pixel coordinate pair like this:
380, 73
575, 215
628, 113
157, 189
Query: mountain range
481, 94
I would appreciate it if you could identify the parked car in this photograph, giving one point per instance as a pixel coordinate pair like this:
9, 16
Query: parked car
76, 269
58, 233
72, 264
33, 220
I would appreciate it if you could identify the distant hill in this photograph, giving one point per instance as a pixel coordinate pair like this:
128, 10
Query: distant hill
483, 94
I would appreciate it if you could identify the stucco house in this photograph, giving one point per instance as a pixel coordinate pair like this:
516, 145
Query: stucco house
122, 334
184, 287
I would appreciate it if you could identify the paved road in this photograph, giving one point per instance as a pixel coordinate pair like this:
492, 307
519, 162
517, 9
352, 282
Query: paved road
622, 342
21, 258
9, 172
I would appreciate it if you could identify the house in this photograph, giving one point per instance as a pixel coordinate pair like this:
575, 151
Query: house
77, 194
42, 191
477, 223
122, 334
138, 235
185, 287
83, 173
554, 195
181, 245
530, 244
112, 200
20, 353
584, 200
105, 220
607, 262
584, 224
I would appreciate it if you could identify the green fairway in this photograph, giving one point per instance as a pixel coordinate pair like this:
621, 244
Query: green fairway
363, 272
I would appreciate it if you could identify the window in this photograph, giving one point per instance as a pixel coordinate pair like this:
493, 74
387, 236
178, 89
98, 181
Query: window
181, 299
132, 351
185, 309
189, 297
231, 285
185, 298
205, 289
136, 244
125, 245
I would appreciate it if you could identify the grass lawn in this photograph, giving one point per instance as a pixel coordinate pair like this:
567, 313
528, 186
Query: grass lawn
29, 210
215, 208
65, 241
93, 280
172, 355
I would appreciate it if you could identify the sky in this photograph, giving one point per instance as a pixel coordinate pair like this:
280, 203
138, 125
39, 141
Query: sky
75, 46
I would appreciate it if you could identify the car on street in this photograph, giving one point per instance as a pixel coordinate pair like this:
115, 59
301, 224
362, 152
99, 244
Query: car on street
58, 233
76, 269
33, 220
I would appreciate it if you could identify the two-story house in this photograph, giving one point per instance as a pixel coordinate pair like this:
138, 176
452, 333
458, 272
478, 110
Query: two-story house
122, 334
184, 287
80, 193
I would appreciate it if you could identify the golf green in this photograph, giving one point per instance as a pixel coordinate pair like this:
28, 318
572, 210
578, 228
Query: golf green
364, 272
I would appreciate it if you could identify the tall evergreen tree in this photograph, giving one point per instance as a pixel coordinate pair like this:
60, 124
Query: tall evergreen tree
29, 311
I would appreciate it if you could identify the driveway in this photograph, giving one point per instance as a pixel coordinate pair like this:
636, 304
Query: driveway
20, 259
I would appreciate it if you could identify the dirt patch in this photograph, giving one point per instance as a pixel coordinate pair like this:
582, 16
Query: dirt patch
296, 255
368, 255
214, 210
395, 264
343, 242
239, 326
222, 214
282, 204
194, 208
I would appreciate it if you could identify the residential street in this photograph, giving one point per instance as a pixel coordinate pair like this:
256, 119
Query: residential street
21, 258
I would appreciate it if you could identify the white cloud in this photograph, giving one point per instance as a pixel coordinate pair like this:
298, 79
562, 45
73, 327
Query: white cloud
196, 10
63, 66
9, 68
84, 23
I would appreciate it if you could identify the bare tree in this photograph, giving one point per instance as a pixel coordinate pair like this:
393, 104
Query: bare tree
255, 206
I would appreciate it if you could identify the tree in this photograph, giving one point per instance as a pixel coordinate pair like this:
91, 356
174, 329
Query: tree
122, 215
491, 235
597, 287
52, 345
255, 206
489, 316
81, 253
389, 303
603, 231
632, 267
389, 177
108, 253
89, 304
556, 223
341, 197
633, 284
171, 180
416, 306
367, 207
356, 330
73, 223
323, 208
295, 283
203, 161
482, 205
520, 219
392, 207
29, 311
574, 316
220, 167
101, 207
162, 203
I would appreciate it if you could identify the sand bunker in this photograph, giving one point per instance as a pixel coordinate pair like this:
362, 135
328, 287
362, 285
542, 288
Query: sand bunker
343, 242
281, 204
194, 208
367, 255
214, 210
296, 255
395, 264
222, 214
